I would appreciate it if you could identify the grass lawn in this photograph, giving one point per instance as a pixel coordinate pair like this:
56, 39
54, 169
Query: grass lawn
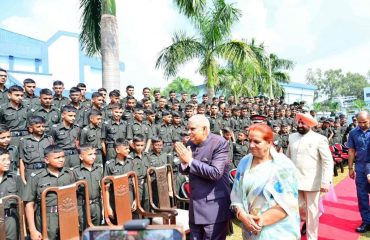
365, 236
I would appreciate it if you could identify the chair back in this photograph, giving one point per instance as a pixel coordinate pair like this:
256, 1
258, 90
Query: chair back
121, 189
67, 210
20, 210
165, 186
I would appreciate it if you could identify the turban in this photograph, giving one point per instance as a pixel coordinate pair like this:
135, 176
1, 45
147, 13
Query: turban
306, 118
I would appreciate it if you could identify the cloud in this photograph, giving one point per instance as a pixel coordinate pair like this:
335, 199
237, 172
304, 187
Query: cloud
44, 18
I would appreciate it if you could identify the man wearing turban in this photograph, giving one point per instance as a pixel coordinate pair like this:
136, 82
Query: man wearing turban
310, 153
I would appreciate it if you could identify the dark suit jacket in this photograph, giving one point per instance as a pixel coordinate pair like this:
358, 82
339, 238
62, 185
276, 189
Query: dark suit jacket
209, 183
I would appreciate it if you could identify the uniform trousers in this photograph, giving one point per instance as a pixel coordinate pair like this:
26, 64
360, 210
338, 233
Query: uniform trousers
216, 231
309, 212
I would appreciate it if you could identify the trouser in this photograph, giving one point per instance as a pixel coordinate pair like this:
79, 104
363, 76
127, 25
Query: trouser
11, 224
216, 231
52, 223
72, 160
96, 215
362, 193
309, 212
111, 152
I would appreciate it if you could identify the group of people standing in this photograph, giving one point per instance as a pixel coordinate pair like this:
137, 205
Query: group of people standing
282, 162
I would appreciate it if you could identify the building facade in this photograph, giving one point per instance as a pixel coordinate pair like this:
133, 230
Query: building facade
58, 58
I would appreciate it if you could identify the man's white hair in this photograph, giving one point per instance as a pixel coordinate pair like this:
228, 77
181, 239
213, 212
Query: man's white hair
200, 120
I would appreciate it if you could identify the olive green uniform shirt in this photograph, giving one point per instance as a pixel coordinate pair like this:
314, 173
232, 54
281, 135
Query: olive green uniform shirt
51, 116
11, 184
38, 182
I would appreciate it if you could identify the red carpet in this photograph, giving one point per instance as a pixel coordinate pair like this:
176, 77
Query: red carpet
342, 217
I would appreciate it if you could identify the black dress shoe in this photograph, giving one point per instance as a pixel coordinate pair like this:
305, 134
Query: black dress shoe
303, 229
363, 228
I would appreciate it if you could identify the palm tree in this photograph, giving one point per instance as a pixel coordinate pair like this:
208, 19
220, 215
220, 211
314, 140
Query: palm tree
99, 36
211, 44
181, 85
238, 80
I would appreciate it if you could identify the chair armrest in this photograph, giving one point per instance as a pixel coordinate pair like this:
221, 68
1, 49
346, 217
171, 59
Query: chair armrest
185, 200
173, 212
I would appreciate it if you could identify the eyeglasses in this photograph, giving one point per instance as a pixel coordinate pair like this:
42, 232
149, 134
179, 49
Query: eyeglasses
3, 76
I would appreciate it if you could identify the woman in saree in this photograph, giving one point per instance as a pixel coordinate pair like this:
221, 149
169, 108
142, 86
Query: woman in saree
264, 197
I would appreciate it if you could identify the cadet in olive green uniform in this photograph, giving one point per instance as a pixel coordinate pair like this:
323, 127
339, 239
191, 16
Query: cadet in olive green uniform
10, 184
30, 100
130, 91
165, 131
150, 120
244, 116
12, 150
113, 129
215, 120
176, 124
14, 114
91, 172
75, 96
55, 175
46, 110
174, 161
92, 134
237, 122
157, 158
3, 89
226, 119
140, 164
284, 136
85, 102
337, 130
240, 148
65, 135
31, 148
120, 165
139, 127
97, 101
129, 109
228, 134
188, 113
114, 100
59, 100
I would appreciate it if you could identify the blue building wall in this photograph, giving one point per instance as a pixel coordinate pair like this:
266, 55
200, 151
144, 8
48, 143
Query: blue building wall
22, 56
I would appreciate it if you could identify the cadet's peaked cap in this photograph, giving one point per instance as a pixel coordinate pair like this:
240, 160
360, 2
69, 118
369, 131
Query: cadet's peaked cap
306, 118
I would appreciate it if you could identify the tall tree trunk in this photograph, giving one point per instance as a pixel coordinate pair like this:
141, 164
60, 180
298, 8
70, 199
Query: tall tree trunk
110, 52
210, 92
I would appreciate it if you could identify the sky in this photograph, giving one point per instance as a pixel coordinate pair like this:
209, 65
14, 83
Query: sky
326, 34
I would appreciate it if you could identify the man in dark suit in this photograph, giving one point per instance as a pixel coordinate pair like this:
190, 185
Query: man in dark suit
205, 160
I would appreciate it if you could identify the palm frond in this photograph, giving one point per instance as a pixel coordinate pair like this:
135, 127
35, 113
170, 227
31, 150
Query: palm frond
183, 49
220, 21
191, 8
236, 51
90, 25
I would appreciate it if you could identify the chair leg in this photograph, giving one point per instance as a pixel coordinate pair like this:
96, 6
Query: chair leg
335, 170
341, 167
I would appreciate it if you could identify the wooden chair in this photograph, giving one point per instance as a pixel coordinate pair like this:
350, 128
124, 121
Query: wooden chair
20, 209
122, 202
167, 196
67, 210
